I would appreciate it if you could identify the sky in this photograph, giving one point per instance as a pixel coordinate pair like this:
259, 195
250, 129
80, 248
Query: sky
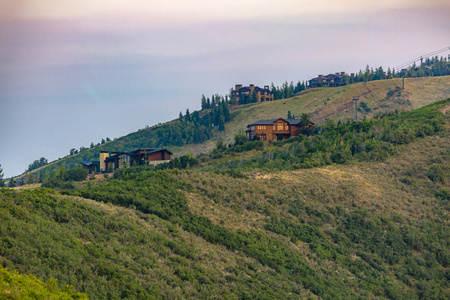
75, 71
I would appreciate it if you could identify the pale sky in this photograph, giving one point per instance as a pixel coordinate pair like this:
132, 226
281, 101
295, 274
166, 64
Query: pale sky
75, 71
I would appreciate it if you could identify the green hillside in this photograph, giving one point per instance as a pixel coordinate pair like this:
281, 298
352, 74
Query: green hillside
359, 211
321, 103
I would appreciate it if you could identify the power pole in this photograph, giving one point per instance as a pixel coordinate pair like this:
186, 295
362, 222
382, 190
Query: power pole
356, 107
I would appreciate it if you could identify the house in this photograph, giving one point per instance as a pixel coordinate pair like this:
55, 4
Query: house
274, 129
109, 161
251, 93
91, 166
330, 80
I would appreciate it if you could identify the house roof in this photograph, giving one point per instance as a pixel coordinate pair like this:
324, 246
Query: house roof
87, 163
272, 121
247, 89
136, 152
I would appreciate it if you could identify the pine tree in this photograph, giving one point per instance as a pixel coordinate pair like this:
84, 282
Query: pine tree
1, 177
203, 102
188, 116
180, 117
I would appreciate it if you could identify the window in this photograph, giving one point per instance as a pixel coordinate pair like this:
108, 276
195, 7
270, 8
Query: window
261, 127
280, 126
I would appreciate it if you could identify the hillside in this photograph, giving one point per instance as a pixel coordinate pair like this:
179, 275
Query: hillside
364, 227
321, 103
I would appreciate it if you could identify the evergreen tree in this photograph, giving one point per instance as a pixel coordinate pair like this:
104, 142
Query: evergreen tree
203, 102
12, 183
1, 177
289, 116
180, 117
188, 116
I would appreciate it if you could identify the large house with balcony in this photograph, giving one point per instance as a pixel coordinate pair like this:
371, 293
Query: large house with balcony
251, 93
109, 161
274, 129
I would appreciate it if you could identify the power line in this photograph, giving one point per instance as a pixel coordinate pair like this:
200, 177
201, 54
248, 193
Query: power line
424, 56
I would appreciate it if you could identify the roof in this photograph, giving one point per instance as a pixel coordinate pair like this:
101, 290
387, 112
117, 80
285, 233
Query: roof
271, 121
136, 152
247, 89
87, 163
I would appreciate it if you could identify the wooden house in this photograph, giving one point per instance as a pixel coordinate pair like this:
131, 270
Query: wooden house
246, 94
274, 129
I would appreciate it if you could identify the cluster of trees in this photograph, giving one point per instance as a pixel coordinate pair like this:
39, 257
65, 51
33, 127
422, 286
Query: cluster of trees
430, 67
37, 164
74, 151
287, 90
63, 178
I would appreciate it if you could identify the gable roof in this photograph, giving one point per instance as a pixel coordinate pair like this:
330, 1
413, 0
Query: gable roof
272, 121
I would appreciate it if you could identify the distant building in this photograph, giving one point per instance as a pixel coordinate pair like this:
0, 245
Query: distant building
246, 93
330, 80
109, 161
274, 129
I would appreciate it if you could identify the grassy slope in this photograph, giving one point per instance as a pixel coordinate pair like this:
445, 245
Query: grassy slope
397, 195
418, 92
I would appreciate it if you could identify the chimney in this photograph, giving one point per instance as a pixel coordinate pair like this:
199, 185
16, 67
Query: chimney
320, 78
238, 86
252, 87
342, 73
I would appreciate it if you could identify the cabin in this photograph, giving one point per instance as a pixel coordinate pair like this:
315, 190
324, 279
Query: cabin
109, 161
246, 94
274, 129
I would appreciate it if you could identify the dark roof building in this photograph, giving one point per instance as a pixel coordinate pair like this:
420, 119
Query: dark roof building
330, 80
274, 129
251, 93
110, 161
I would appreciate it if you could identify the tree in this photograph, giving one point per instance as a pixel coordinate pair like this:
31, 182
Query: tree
240, 137
180, 117
108, 139
220, 145
289, 116
103, 141
304, 121
188, 116
1, 177
92, 145
203, 102
30, 178
12, 183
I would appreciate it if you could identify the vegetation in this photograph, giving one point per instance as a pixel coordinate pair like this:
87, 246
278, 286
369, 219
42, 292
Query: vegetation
16, 286
37, 164
340, 143
253, 220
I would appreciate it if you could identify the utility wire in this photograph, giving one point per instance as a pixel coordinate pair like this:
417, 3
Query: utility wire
424, 56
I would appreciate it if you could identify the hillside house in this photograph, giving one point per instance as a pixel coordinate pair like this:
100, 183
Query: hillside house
274, 129
246, 93
109, 161
330, 80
